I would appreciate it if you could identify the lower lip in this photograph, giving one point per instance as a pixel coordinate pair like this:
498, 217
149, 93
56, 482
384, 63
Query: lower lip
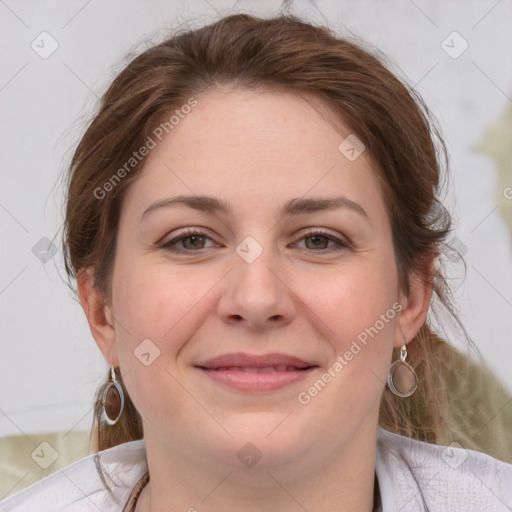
245, 381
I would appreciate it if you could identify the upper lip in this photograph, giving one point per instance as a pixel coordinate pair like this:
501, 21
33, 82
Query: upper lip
241, 359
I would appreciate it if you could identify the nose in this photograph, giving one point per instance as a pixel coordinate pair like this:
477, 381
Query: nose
257, 295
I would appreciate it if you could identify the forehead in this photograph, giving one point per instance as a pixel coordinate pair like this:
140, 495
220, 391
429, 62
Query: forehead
257, 147
269, 124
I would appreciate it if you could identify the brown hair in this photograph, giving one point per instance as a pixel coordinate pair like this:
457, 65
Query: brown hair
284, 52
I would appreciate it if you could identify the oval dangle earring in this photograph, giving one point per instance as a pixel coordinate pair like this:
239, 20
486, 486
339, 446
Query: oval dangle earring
402, 379
112, 400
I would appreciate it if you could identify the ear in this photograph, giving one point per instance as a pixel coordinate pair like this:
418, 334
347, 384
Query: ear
99, 316
414, 307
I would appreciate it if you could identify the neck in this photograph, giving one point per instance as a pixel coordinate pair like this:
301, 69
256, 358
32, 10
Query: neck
335, 480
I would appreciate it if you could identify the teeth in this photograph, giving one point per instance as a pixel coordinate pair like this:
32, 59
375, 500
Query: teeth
266, 370
246, 369
253, 369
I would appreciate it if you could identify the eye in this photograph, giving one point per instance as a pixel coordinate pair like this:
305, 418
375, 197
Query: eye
194, 240
190, 240
320, 241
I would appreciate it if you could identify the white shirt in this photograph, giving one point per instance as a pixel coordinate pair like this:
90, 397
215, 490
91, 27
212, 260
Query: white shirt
413, 477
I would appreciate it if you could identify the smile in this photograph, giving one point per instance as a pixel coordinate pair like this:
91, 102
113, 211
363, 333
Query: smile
255, 379
255, 369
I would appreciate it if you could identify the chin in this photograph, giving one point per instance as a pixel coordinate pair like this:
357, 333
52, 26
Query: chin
277, 435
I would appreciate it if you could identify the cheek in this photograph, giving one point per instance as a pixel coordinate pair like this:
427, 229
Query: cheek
358, 308
354, 300
161, 304
154, 314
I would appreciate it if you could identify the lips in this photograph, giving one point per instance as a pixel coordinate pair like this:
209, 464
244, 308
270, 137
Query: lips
257, 373
254, 363
256, 369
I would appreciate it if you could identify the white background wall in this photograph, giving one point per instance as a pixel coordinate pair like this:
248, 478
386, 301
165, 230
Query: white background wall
50, 366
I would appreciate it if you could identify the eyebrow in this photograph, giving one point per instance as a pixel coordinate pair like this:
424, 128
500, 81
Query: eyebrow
296, 206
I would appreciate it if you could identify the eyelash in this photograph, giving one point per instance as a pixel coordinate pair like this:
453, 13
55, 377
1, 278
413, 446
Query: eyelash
195, 232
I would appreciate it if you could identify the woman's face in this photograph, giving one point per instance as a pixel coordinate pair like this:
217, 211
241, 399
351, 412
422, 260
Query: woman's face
277, 256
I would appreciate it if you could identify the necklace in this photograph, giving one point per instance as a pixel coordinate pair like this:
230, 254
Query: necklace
131, 504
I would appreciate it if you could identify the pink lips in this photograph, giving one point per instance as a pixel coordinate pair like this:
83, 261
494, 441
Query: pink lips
265, 372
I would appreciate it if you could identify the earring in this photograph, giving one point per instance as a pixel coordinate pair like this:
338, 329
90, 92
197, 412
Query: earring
402, 379
112, 401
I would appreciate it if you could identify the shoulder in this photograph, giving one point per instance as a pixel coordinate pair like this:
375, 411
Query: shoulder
80, 486
418, 476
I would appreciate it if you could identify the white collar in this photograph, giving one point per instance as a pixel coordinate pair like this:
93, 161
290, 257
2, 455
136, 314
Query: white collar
423, 477
413, 477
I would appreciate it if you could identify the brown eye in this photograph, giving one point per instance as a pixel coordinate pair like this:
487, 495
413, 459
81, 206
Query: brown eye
188, 241
196, 242
318, 241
